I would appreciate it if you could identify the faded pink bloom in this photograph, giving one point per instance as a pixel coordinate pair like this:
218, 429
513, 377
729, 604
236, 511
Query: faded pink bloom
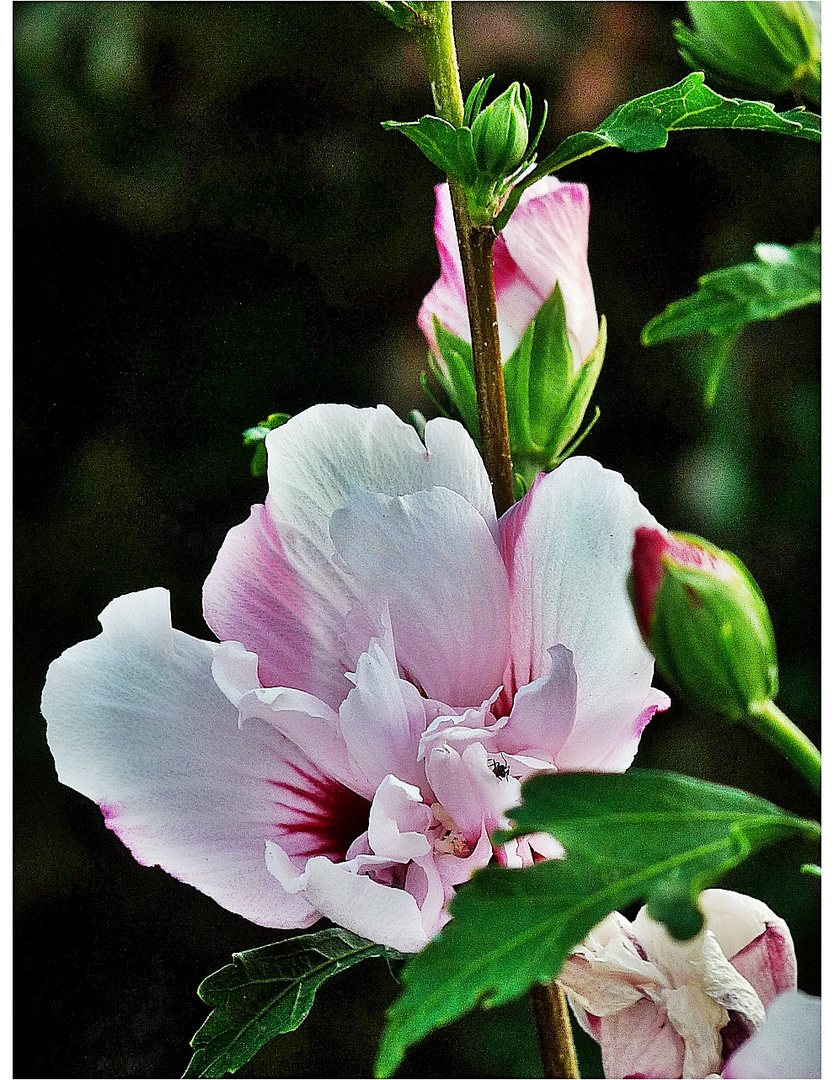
394, 661
545, 241
787, 1045
673, 1009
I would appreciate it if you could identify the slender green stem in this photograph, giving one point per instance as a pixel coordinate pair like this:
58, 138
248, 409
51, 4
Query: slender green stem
433, 30
768, 719
437, 42
554, 1032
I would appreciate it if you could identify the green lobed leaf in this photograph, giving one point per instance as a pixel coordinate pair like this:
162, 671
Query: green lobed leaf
642, 835
269, 991
447, 147
780, 280
645, 123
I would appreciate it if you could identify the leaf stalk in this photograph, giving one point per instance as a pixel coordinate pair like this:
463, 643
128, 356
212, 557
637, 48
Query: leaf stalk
772, 724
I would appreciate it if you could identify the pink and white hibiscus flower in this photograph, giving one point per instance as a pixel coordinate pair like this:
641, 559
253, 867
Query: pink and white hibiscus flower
544, 242
393, 662
672, 1009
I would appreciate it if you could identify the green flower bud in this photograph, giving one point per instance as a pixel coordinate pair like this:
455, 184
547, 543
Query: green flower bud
772, 46
499, 135
703, 617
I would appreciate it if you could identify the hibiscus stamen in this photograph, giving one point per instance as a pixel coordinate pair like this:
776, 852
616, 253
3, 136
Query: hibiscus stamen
450, 840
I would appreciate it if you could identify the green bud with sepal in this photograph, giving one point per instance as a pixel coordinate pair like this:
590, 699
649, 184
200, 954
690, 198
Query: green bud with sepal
547, 391
547, 394
706, 622
499, 135
488, 153
769, 46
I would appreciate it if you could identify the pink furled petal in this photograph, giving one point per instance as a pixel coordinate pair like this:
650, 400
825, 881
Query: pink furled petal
352, 899
447, 297
433, 558
654, 548
136, 722
543, 712
787, 1045
640, 1042
547, 237
545, 241
567, 547
274, 586
517, 301
648, 574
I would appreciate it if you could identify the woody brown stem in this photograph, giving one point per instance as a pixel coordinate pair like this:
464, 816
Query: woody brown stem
434, 33
486, 357
556, 1048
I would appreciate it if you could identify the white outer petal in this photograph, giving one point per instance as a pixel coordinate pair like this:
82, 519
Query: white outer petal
567, 546
136, 722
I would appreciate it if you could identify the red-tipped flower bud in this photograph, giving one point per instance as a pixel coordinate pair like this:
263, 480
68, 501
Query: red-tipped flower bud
705, 620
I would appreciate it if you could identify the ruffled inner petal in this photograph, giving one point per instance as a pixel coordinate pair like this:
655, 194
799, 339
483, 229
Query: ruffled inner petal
343, 893
381, 721
544, 711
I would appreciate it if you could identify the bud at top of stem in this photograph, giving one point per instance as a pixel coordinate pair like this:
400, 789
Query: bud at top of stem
705, 620
499, 134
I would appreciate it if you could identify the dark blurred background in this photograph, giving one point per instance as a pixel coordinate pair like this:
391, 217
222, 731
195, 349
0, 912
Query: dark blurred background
211, 225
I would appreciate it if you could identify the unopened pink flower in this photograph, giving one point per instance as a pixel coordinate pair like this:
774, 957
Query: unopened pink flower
544, 242
670, 1009
393, 662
